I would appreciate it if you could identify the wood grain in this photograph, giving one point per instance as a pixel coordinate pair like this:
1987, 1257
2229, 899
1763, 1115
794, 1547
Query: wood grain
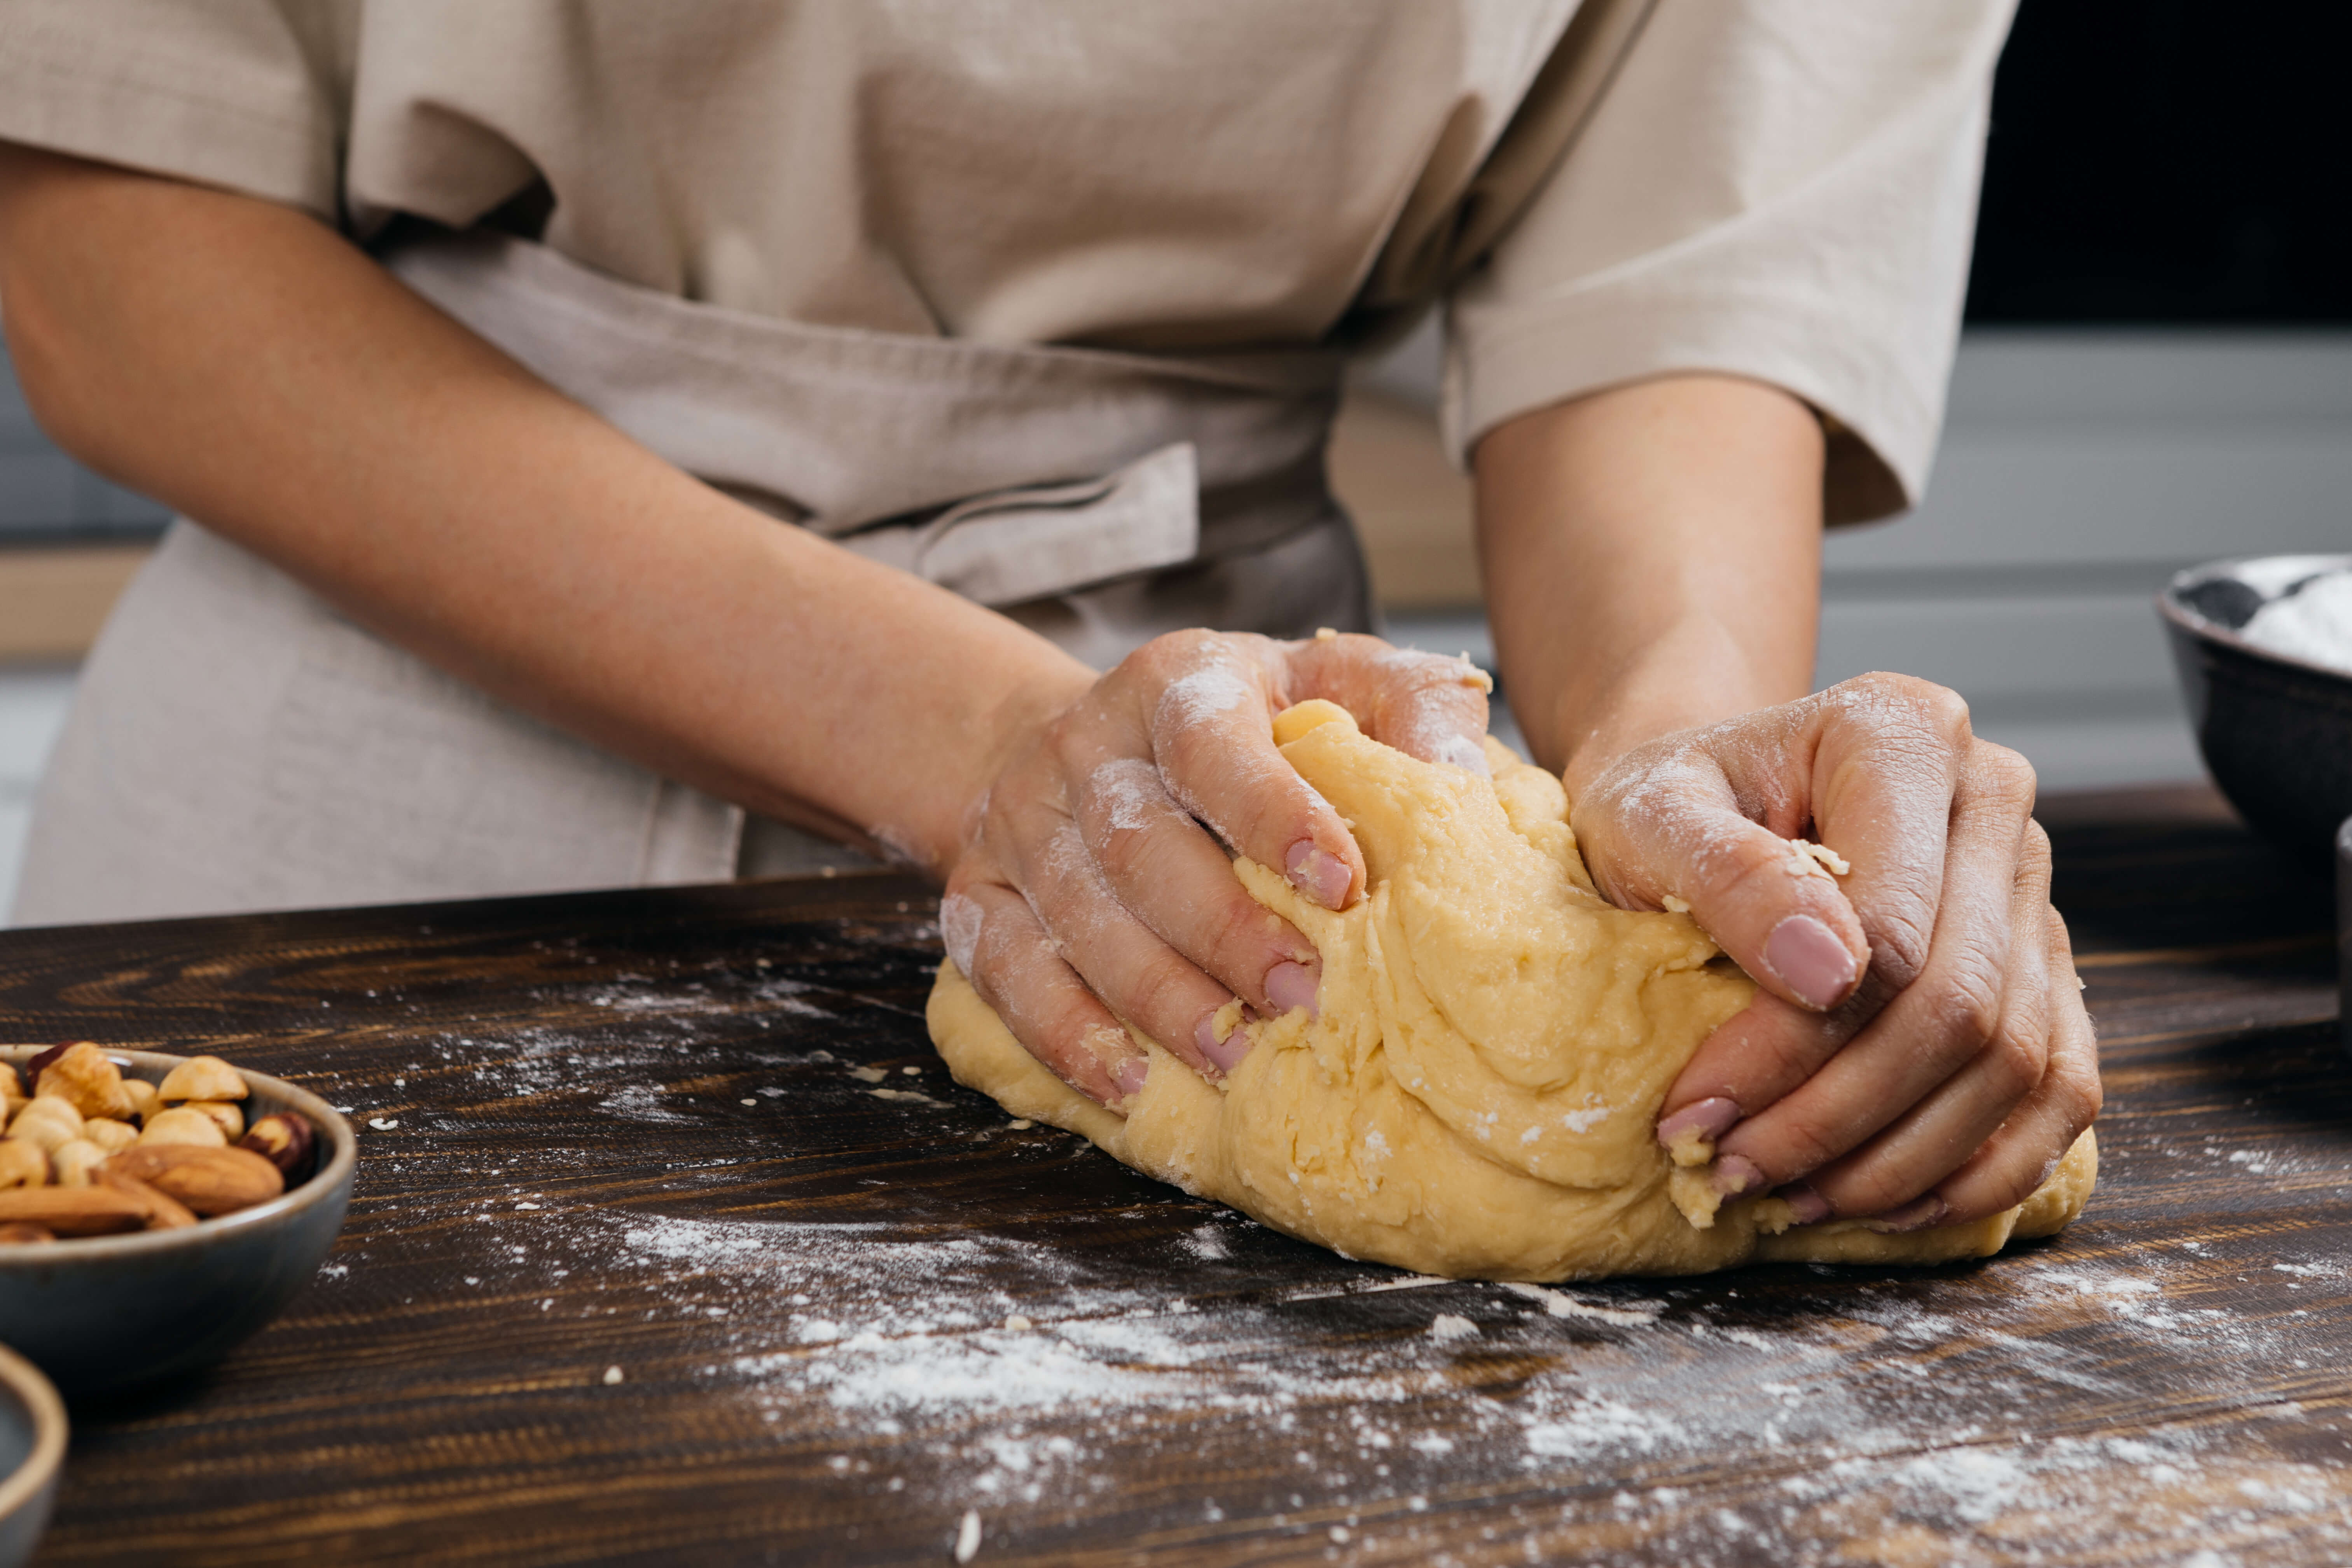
806, 1295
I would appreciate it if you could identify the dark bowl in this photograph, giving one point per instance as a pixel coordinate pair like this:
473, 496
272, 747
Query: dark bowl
32, 1447
106, 1311
2277, 730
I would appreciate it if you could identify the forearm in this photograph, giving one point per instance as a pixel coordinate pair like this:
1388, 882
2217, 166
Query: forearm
1651, 559
251, 369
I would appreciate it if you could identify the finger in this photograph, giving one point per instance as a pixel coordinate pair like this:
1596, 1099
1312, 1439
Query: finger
1940, 1134
1173, 883
1125, 963
2020, 1156
1877, 763
1946, 1018
1424, 704
1672, 826
1048, 1008
1209, 726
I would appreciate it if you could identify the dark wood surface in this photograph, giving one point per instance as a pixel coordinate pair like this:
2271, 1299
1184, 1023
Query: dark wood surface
757, 1310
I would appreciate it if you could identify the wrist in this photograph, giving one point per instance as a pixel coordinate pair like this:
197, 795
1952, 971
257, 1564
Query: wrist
1695, 673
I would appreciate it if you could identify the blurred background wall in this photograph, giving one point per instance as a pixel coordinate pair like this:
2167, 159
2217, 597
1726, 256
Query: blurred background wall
2157, 371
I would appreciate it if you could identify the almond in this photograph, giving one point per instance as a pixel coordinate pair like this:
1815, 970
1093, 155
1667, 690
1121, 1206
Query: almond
144, 1101
73, 1211
209, 1181
164, 1211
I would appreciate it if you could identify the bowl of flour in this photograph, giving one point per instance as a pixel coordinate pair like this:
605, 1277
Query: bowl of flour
2264, 650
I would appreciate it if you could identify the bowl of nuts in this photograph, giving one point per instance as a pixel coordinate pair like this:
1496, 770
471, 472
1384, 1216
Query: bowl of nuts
155, 1210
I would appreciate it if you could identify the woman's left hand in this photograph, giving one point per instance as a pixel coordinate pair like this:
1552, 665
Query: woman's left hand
1919, 1050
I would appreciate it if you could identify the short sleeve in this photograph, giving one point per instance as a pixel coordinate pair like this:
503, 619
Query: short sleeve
1777, 189
249, 95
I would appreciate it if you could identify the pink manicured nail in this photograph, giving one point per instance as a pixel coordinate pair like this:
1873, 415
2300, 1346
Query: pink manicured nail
1811, 960
1322, 877
1289, 985
1129, 1074
1917, 1214
1735, 1174
1710, 1119
1226, 1052
1806, 1206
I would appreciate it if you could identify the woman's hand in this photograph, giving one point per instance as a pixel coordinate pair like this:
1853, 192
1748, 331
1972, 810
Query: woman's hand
1919, 1050
1096, 883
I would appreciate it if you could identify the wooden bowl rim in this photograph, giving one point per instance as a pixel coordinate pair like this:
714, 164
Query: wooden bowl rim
331, 1173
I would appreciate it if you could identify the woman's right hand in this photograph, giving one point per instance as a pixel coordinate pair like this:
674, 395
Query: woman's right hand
1095, 882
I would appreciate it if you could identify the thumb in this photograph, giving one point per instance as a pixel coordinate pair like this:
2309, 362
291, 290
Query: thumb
1426, 705
1771, 903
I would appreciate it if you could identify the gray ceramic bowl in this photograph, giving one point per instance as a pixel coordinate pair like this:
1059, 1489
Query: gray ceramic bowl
32, 1447
106, 1311
2277, 730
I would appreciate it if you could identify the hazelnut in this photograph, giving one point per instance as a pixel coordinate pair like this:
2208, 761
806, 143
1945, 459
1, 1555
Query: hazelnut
73, 1211
73, 1161
111, 1136
144, 1101
83, 1075
48, 1121
181, 1125
23, 1232
203, 1077
286, 1140
209, 1181
23, 1164
34, 1066
225, 1114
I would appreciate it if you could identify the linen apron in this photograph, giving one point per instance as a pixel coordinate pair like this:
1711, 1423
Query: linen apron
237, 744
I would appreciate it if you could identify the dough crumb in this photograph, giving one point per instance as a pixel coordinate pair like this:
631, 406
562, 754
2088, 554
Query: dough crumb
1446, 1327
612, 1375
1806, 859
1691, 1147
967, 1541
1325, 634
1674, 904
1692, 1188
1018, 1324
869, 1075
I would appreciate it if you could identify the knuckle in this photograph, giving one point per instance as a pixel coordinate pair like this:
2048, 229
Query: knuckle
1901, 938
1965, 1007
2004, 773
2015, 1064
1806, 1145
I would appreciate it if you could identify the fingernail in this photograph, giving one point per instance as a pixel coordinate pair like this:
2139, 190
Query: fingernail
1226, 1052
1709, 1119
1917, 1214
1810, 961
1321, 876
1128, 1074
1806, 1206
1289, 985
1735, 1174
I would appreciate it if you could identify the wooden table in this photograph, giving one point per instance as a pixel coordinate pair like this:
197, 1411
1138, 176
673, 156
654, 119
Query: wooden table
673, 1242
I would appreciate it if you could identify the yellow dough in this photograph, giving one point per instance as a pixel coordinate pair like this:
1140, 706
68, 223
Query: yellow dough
1478, 1095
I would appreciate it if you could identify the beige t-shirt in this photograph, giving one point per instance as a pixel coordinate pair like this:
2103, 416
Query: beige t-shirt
1781, 189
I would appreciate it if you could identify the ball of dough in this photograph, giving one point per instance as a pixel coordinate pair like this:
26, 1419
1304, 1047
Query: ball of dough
1478, 1094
